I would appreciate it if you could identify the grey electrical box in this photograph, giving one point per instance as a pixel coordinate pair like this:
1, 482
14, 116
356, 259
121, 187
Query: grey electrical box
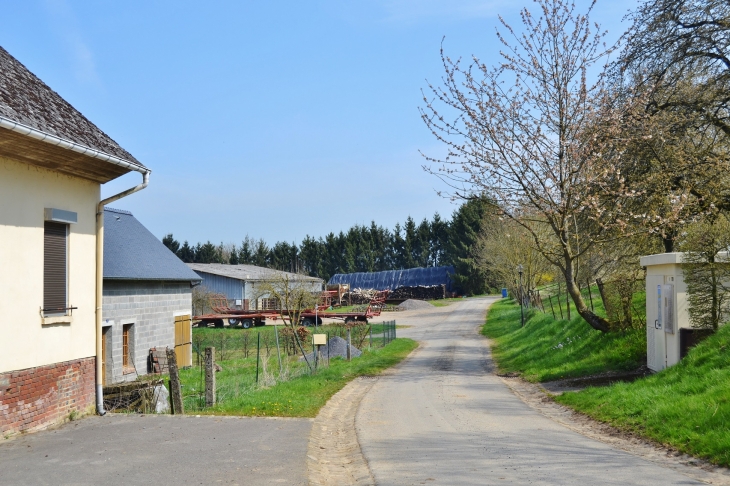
60, 216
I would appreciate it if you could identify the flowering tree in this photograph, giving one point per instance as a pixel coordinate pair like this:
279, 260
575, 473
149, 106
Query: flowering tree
535, 135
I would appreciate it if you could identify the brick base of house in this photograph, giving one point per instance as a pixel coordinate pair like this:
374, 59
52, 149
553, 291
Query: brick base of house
36, 398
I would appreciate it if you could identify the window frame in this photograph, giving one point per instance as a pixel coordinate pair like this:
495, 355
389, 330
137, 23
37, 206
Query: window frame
50, 309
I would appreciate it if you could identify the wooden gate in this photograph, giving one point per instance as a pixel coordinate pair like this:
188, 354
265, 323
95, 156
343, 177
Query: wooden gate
183, 341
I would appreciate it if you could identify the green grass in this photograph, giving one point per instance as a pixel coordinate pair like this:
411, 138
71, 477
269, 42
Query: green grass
548, 349
686, 406
301, 396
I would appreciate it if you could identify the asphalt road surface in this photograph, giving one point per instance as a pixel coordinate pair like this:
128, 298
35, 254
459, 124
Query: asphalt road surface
444, 417
160, 450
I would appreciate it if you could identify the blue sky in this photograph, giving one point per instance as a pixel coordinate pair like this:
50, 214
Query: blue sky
273, 119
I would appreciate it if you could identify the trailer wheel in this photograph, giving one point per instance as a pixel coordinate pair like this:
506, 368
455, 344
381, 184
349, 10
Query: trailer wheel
307, 322
219, 323
363, 319
349, 321
233, 322
247, 323
319, 321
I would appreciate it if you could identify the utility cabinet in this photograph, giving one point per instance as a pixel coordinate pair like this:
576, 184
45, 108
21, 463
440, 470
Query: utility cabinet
666, 309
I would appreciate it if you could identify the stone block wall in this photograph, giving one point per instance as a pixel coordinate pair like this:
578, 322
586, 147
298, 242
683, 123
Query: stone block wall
36, 398
151, 306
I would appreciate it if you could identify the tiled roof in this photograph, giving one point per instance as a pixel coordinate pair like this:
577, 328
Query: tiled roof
25, 99
131, 252
246, 272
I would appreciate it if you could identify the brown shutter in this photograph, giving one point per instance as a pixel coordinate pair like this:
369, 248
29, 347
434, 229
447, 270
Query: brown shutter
54, 267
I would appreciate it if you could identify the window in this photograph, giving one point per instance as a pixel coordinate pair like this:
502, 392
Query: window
127, 347
55, 247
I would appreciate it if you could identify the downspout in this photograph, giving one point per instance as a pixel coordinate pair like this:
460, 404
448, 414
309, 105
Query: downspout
100, 280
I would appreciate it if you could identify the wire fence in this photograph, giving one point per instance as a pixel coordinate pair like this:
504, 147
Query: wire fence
616, 299
249, 360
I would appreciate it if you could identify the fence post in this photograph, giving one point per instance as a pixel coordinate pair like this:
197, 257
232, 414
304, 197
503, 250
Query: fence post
395, 332
349, 343
550, 299
258, 352
209, 376
590, 294
278, 352
371, 337
175, 391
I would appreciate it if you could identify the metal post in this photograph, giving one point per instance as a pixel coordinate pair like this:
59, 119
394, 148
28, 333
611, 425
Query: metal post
349, 343
258, 350
522, 297
278, 352
371, 337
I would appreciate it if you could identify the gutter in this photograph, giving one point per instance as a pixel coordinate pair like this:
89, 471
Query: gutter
104, 157
36, 134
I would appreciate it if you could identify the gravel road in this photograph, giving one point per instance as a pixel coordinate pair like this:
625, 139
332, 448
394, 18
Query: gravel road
443, 417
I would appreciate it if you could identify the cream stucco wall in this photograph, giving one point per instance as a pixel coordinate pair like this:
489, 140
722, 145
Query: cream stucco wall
25, 341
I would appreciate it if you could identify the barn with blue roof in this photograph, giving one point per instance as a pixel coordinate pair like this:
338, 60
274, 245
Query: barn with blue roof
147, 298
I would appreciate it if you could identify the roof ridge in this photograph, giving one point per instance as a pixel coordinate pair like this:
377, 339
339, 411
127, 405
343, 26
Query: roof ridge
120, 211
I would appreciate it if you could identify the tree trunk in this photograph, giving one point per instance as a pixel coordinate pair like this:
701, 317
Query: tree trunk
595, 321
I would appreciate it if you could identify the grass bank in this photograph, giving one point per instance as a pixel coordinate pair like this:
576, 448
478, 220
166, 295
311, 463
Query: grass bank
686, 406
547, 349
299, 394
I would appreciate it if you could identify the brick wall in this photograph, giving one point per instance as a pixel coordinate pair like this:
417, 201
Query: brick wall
35, 398
151, 306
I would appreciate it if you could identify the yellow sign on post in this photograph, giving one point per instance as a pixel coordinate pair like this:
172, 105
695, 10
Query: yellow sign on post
319, 339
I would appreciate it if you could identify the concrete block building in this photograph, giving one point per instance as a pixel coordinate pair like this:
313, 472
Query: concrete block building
147, 299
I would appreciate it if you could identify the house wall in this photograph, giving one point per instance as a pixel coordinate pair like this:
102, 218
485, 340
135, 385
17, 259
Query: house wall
30, 344
151, 306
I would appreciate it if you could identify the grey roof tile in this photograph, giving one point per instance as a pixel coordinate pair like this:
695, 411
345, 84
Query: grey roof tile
131, 252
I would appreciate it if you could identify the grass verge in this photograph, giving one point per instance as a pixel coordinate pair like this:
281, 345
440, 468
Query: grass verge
547, 349
302, 396
686, 406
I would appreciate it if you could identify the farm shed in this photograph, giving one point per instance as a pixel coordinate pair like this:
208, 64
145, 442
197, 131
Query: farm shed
394, 279
147, 299
53, 161
241, 284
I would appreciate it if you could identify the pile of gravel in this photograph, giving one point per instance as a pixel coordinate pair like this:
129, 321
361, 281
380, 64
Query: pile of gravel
337, 347
412, 304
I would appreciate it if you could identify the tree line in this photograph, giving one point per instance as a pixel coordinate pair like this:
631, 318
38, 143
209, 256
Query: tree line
373, 248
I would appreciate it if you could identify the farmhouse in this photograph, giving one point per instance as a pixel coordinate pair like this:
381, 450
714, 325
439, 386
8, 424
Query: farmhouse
147, 299
52, 164
241, 284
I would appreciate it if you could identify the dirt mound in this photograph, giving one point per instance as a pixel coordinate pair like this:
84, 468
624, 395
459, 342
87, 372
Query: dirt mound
412, 304
337, 347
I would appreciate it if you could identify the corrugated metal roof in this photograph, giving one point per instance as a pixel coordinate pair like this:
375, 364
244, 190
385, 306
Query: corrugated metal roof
131, 252
246, 272
25, 99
